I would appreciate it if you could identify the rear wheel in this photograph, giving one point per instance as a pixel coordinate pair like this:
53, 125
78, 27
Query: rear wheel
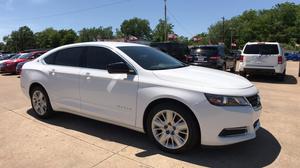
40, 102
224, 68
173, 128
232, 69
281, 77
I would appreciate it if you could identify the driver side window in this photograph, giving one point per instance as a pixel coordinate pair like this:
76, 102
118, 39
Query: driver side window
99, 58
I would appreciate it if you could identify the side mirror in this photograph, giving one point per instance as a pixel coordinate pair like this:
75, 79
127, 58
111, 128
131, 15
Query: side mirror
119, 68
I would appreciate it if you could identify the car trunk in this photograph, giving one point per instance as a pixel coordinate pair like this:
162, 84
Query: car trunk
261, 54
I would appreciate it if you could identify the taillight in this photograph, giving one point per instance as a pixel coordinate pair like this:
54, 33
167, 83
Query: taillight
280, 59
241, 58
188, 58
214, 57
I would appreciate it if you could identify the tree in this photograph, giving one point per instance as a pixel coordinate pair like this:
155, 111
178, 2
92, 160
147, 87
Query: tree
281, 23
95, 34
137, 27
67, 36
48, 38
19, 40
159, 31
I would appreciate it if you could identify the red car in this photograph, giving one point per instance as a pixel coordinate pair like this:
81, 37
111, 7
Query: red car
10, 66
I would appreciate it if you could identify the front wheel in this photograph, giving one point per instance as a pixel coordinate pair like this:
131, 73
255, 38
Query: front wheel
40, 102
173, 128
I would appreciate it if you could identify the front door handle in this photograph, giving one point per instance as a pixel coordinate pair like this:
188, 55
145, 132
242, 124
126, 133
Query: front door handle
52, 72
88, 77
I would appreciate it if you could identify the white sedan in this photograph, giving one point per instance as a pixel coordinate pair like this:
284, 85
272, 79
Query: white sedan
141, 88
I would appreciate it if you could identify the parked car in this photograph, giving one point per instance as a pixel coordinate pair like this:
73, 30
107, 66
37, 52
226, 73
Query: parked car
33, 56
6, 56
3, 62
263, 58
144, 89
213, 56
176, 50
10, 66
292, 56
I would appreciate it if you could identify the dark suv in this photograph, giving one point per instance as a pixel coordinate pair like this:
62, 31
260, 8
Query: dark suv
213, 56
176, 50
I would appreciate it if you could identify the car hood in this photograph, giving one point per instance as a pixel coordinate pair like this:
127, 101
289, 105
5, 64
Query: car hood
203, 77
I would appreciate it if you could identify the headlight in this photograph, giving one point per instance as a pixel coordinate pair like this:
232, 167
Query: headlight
219, 100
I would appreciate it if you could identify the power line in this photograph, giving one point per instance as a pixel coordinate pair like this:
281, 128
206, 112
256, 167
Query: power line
181, 25
69, 12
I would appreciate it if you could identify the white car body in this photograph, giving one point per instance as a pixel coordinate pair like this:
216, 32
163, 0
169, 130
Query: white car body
122, 99
263, 63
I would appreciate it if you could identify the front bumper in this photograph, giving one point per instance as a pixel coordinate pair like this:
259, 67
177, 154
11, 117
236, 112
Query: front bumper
215, 119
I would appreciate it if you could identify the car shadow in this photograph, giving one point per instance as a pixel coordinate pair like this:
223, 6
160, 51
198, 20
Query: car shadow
259, 152
289, 79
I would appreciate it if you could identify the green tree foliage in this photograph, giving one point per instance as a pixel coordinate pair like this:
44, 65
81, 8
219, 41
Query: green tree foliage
67, 36
281, 24
159, 31
19, 40
95, 34
48, 38
137, 27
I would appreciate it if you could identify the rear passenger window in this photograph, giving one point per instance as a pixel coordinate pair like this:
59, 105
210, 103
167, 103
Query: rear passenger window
99, 58
69, 57
50, 58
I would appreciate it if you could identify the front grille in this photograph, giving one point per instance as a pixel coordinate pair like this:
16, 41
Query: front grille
254, 101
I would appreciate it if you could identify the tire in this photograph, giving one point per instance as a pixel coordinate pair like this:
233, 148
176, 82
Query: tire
242, 73
224, 67
173, 139
281, 77
232, 70
40, 102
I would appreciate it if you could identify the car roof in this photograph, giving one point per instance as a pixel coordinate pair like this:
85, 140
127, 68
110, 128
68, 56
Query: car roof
108, 44
250, 43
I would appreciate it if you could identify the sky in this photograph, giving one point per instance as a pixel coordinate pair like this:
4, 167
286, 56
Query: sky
189, 17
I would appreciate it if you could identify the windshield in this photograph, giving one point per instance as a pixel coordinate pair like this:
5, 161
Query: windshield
150, 58
25, 56
15, 57
263, 49
204, 51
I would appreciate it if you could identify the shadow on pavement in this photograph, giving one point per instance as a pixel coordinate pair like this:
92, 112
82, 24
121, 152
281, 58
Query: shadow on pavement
259, 152
289, 79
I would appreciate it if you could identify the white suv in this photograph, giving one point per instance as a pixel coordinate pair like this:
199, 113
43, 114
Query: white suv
144, 89
263, 58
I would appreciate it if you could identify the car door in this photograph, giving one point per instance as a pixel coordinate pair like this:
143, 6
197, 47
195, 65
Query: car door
107, 96
63, 79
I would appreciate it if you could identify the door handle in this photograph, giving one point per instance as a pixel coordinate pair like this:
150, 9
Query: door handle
88, 77
52, 72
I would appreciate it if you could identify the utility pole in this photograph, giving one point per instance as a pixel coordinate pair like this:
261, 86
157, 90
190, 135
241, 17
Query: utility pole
223, 30
166, 31
231, 39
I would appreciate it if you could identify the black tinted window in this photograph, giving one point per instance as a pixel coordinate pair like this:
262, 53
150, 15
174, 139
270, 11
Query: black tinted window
50, 58
99, 58
261, 49
68, 57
